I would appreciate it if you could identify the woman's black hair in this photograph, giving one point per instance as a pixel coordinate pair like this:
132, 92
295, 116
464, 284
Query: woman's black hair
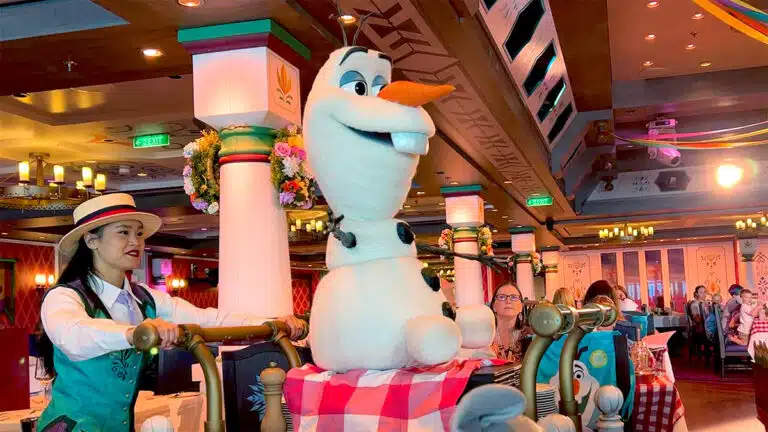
78, 269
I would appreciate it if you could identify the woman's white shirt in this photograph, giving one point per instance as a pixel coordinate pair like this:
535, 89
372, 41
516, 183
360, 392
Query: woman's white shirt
81, 337
628, 305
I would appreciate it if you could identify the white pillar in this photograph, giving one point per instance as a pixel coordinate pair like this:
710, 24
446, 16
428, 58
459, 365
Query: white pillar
247, 89
550, 258
464, 212
524, 246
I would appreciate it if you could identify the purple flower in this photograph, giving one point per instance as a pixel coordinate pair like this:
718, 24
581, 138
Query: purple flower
307, 205
187, 171
282, 149
200, 205
286, 197
300, 153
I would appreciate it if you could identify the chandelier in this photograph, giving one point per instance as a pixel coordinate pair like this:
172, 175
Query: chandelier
54, 195
306, 230
751, 226
625, 233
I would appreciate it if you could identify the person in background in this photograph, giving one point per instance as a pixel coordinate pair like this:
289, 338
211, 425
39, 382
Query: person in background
607, 301
750, 310
625, 303
700, 308
710, 324
507, 306
601, 287
564, 296
733, 304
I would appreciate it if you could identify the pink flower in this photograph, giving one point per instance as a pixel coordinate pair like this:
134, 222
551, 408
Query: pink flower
299, 153
282, 149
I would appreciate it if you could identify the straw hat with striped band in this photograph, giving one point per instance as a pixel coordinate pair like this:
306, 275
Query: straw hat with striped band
104, 210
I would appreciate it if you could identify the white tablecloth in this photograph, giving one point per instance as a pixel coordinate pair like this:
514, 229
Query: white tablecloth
184, 411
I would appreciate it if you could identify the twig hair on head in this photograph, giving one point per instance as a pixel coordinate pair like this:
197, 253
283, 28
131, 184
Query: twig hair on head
360, 23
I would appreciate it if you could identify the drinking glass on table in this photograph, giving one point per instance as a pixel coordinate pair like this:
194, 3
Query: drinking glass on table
42, 376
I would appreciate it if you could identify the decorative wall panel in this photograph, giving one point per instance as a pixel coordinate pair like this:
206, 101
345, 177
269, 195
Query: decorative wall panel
711, 269
577, 274
30, 260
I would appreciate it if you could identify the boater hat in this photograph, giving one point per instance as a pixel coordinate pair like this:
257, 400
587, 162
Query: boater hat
103, 210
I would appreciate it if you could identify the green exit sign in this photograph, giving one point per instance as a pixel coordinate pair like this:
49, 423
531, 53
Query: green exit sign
156, 140
539, 201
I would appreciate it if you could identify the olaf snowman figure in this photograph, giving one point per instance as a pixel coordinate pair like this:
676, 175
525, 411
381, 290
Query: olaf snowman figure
374, 309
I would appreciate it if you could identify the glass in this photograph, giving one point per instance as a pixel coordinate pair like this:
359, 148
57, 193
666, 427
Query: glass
632, 275
677, 285
42, 376
653, 273
504, 297
610, 268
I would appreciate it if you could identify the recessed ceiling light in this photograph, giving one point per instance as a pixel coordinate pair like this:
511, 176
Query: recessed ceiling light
705, 64
690, 47
504, 216
406, 206
20, 95
41, 237
677, 240
441, 204
420, 193
508, 182
152, 52
698, 16
203, 229
90, 161
454, 183
650, 37
653, 4
190, 3
5, 233
647, 63
141, 174
494, 209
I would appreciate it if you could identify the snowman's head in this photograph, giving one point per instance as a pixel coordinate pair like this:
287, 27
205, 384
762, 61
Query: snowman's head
364, 142
583, 383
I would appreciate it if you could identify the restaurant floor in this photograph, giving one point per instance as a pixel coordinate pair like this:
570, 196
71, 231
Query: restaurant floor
712, 404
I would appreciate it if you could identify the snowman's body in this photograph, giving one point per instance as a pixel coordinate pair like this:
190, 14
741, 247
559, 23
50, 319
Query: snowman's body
374, 310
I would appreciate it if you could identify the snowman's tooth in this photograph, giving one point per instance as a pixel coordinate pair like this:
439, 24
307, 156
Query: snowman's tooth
410, 142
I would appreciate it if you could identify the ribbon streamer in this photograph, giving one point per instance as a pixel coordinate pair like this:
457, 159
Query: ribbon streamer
729, 17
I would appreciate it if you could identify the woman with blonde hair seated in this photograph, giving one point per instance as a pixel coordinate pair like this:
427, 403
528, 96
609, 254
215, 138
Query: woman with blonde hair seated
564, 296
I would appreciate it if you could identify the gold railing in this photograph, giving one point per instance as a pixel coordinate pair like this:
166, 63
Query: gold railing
549, 321
146, 337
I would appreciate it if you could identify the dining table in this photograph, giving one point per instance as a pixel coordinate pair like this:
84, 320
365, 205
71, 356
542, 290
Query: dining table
759, 333
658, 406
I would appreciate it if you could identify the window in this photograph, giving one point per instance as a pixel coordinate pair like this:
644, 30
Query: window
677, 288
653, 273
609, 267
632, 275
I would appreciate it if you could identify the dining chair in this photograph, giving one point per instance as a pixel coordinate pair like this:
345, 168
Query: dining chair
729, 351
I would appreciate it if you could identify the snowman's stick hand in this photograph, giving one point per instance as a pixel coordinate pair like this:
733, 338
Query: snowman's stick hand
347, 239
494, 262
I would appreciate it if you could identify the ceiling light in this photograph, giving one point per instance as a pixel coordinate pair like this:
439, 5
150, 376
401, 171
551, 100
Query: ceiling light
420, 193
190, 3
309, 265
507, 182
698, 16
441, 204
705, 64
5, 233
347, 19
647, 63
494, 209
152, 52
203, 229
690, 47
504, 216
90, 161
728, 175
652, 4
141, 174
406, 206
495, 230
650, 37
454, 183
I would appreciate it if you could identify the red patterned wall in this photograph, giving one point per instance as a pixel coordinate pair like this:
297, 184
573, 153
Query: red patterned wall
30, 260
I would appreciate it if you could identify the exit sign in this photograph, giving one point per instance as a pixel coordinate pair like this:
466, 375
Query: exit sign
156, 140
539, 201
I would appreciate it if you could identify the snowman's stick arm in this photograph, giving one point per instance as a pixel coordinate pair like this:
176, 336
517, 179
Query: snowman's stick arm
496, 263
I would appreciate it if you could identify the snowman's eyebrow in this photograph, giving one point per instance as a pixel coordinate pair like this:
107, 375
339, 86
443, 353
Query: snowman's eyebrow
385, 57
352, 51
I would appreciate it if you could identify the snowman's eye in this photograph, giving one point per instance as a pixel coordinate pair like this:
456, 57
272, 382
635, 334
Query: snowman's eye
378, 83
353, 82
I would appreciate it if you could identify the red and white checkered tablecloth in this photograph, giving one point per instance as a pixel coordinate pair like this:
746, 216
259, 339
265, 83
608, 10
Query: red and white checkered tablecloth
658, 406
759, 326
415, 399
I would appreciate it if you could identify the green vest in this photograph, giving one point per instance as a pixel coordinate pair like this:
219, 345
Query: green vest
98, 394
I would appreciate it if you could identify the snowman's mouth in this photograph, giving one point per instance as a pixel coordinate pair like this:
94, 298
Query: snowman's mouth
379, 137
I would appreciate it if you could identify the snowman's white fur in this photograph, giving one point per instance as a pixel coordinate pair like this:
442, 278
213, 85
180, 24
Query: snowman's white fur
373, 309
157, 424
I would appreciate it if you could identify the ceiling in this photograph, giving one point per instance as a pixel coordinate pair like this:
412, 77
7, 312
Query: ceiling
672, 24
87, 113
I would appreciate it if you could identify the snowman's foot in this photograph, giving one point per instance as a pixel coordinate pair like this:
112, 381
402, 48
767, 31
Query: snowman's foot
477, 326
432, 340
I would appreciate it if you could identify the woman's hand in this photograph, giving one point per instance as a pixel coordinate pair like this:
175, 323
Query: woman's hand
297, 326
169, 333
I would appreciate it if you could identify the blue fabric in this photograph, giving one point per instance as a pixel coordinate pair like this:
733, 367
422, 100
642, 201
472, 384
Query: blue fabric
639, 319
595, 366
710, 326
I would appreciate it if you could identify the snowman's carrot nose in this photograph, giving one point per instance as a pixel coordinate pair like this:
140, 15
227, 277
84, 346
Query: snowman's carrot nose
414, 94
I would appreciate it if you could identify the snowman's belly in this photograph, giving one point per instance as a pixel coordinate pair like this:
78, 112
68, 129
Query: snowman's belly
359, 314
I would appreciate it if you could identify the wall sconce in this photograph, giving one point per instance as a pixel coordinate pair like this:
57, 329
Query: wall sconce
40, 280
51, 280
177, 283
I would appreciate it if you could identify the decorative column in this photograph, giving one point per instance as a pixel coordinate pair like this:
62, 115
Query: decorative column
524, 246
550, 258
465, 213
246, 85
747, 250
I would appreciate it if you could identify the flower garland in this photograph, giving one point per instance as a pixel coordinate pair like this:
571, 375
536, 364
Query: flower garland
295, 185
536, 264
201, 172
484, 240
446, 240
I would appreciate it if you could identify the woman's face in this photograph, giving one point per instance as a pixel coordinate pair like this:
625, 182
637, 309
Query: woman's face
507, 302
120, 245
701, 293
